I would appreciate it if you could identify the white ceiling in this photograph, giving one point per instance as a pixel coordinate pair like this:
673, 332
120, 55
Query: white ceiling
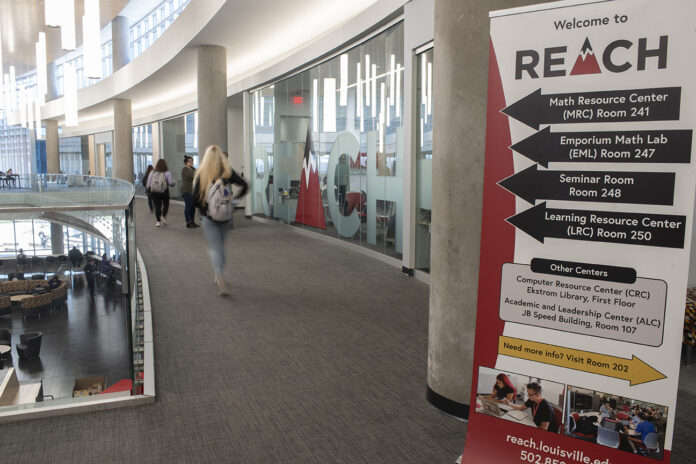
22, 20
254, 32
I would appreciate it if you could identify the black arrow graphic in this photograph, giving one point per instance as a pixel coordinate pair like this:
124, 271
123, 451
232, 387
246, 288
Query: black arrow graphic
651, 146
648, 188
657, 104
602, 226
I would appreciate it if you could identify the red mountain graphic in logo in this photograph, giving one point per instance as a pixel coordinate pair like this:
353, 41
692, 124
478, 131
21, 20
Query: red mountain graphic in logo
310, 210
586, 62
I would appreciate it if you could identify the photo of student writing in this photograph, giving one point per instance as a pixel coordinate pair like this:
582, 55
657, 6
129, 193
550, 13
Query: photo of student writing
542, 410
503, 389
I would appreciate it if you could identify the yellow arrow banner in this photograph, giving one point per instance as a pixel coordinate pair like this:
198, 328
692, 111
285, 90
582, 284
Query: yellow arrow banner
634, 370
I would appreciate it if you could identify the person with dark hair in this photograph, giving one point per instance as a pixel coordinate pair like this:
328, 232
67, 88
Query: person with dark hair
542, 410
159, 181
148, 171
606, 410
54, 282
75, 256
644, 427
90, 271
187, 174
503, 389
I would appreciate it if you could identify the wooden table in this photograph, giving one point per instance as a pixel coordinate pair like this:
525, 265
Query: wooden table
19, 298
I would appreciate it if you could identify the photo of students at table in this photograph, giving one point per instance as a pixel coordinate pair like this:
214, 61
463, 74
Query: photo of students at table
610, 420
542, 411
520, 398
503, 389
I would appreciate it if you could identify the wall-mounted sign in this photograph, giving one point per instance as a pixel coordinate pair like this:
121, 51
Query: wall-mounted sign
587, 216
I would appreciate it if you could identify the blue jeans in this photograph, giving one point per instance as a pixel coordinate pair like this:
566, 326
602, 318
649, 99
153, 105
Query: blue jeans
189, 208
215, 233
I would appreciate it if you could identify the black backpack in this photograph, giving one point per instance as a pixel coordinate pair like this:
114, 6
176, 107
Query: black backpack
585, 425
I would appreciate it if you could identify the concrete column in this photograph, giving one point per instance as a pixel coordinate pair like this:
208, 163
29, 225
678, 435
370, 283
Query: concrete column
52, 153
460, 89
212, 97
123, 141
120, 42
57, 245
53, 51
51, 81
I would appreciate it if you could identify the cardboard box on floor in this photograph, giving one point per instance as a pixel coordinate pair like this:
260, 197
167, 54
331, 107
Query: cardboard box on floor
87, 386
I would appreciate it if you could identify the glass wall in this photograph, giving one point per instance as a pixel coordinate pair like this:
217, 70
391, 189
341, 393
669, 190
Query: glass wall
424, 157
327, 146
71, 158
16, 151
142, 154
179, 138
33, 236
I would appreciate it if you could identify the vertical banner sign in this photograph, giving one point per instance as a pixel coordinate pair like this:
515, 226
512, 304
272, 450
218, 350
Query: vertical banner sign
586, 233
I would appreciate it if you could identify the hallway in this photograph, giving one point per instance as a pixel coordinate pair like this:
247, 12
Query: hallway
319, 356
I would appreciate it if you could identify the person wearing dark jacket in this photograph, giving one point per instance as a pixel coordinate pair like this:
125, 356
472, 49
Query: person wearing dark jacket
148, 171
159, 181
214, 167
187, 175
75, 256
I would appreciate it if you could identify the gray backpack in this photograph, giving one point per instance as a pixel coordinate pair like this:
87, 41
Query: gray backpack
220, 202
158, 183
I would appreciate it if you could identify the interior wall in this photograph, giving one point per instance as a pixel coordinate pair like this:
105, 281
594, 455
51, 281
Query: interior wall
235, 137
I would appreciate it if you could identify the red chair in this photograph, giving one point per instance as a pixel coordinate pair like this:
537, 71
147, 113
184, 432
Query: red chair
356, 201
558, 418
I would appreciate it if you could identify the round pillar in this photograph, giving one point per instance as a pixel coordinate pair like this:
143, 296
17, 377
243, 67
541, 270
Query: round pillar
212, 97
123, 141
461, 46
120, 42
52, 152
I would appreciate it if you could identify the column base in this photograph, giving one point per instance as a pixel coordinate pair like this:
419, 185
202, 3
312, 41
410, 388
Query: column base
446, 405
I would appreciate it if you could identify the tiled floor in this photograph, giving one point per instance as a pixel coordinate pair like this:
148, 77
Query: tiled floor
87, 339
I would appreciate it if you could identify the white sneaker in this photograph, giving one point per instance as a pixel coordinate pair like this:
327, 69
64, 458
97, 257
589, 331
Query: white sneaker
164, 220
157, 224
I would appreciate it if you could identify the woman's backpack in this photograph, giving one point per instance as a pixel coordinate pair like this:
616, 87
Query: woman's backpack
158, 184
220, 202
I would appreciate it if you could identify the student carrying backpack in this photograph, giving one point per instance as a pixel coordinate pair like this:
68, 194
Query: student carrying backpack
158, 183
212, 192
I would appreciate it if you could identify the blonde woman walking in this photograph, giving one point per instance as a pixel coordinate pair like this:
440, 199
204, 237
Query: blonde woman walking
215, 201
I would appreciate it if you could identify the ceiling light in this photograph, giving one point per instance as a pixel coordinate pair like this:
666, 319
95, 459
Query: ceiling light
382, 106
329, 116
52, 13
367, 80
30, 115
70, 95
41, 85
359, 103
37, 111
398, 91
91, 41
429, 107
67, 24
315, 105
373, 83
344, 80
392, 67
1, 68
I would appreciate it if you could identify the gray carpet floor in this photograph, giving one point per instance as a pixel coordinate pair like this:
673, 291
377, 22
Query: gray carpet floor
319, 356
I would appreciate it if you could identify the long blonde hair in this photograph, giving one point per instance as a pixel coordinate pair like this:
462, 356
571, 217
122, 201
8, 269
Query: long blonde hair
214, 166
